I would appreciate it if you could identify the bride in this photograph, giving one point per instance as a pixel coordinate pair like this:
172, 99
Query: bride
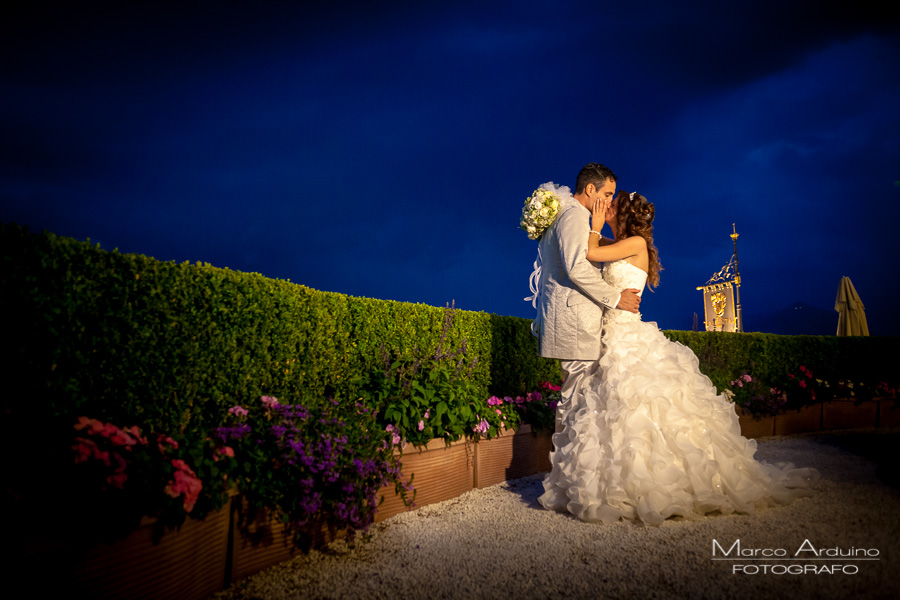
649, 437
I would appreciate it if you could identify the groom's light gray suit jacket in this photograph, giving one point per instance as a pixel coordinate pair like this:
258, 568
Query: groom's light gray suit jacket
572, 290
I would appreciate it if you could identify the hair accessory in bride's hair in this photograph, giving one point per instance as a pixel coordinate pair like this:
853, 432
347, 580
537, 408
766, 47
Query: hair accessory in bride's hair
631, 196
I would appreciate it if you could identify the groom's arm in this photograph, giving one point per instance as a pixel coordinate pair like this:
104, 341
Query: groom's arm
573, 229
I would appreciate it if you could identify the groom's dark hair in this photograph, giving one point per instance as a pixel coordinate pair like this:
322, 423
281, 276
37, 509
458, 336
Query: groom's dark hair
593, 173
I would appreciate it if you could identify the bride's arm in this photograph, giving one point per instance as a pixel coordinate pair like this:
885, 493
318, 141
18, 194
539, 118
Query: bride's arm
614, 250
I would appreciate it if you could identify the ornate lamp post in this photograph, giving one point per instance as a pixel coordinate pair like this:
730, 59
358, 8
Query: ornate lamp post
722, 295
738, 317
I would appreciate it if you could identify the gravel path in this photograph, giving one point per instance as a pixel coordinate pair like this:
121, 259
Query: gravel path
499, 543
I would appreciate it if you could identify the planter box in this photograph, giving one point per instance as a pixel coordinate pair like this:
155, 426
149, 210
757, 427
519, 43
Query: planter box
258, 544
511, 455
888, 413
441, 472
844, 414
188, 563
751, 427
804, 420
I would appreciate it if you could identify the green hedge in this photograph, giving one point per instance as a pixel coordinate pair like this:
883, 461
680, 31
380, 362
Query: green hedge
771, 357
126, 338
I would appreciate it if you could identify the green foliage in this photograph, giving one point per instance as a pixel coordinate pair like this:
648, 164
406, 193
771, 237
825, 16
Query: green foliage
432, 394
169, 348
515, 365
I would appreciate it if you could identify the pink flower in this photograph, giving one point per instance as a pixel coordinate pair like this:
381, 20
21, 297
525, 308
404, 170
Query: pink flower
223, 451
802, 384
185, 482
499, 412
238, 411
117, 480
426, 414
162, 441
395, 433
121, 438
421, 425
747, 378
494, 401
791, 375
93, 425
269, 401
136, 433
86, 449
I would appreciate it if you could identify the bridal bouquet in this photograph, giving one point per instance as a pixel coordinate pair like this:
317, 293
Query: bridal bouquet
540, 210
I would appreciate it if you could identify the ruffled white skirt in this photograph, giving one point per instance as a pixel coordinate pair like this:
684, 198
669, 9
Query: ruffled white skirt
649, 438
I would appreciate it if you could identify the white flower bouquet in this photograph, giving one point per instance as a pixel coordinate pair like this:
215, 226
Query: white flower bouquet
540, 210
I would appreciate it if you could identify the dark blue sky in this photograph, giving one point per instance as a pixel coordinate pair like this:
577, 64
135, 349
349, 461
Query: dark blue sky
385, 149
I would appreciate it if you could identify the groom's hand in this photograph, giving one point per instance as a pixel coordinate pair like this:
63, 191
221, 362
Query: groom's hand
629, 300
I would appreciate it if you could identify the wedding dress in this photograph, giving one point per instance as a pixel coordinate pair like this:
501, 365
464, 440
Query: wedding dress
649, 437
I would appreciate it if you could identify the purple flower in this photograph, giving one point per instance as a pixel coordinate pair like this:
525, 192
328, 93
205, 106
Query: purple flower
237, 432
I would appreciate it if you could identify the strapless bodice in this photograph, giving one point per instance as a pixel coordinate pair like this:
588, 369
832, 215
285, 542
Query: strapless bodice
623, 275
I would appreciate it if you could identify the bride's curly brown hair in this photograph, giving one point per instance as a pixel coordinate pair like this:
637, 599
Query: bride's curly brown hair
634, 216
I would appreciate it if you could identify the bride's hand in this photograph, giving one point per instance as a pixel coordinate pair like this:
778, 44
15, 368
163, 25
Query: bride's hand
598, 214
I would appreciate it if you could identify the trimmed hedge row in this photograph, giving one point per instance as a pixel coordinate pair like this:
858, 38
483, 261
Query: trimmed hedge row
771, 358
117, 336
125, 337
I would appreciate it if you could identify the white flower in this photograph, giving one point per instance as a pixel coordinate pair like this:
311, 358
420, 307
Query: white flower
539, 212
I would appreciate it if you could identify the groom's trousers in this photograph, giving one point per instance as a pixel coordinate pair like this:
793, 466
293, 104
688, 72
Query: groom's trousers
575, 374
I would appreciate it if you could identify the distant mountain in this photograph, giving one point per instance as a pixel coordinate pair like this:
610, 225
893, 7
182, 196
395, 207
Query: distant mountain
798, 319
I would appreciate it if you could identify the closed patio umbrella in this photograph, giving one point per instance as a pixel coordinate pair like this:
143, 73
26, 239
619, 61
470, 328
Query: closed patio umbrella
851, 312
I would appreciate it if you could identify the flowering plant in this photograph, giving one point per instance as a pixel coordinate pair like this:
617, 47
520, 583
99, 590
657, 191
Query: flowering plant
122, 475
316, 465
541, 209
534, 408
433, 395
754, 397
801, 388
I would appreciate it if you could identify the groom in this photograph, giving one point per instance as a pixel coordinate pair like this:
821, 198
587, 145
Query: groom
573, 292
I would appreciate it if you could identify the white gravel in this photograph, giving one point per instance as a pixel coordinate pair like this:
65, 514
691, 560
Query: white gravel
499, 543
